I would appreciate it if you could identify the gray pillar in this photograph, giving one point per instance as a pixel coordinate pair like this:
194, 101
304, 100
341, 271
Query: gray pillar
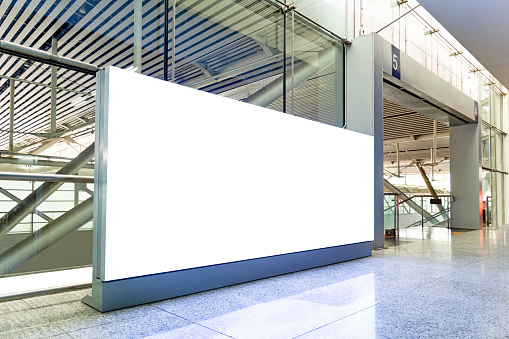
466, 176
364, 110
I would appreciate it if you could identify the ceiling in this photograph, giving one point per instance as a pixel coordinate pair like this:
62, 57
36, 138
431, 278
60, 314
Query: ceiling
481, 27
412, 133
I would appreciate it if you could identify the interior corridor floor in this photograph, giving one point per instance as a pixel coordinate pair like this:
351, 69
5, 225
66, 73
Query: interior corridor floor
443, 286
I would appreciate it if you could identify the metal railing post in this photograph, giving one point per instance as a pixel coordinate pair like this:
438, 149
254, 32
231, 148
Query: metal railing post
11, 117
138, 26
396, 215
487, 211
165, 48
173, 42
422, 215
53, 118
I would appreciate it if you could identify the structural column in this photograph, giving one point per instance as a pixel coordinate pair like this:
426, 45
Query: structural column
364, 111
466, 176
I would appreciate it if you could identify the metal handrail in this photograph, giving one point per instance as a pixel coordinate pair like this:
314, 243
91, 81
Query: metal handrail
434, 216
46, 57
417, 196
46, 177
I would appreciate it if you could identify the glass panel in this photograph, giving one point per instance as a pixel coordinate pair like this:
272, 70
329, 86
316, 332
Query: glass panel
416, 44
438, 214
318, 76
337, 15
390, 214
485, 146
444, 60
496, 108
487, 191
500, 151
74, 250
231, 48
493, 152
433, 214
499, 209
42, 145
484, 102
153, 39
377, 14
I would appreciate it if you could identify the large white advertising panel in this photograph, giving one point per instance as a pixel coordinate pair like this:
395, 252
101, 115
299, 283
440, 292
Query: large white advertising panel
195, 179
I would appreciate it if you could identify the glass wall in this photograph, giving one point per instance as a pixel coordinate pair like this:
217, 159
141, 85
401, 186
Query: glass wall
261, 52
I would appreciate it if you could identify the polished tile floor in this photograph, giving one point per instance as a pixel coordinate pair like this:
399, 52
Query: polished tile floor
431, 283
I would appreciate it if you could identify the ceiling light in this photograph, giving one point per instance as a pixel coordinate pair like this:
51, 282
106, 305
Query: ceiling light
78, 101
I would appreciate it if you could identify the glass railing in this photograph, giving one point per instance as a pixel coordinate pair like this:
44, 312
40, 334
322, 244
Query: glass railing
391, 214
426, 211
420, 36
69, 195
417, 210
46, 220
46, 169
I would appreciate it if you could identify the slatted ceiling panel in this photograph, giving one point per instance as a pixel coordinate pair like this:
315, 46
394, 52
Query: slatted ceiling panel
422, 144
415, 124
401, 122
421, 154
417, 154
33, 100
392, 109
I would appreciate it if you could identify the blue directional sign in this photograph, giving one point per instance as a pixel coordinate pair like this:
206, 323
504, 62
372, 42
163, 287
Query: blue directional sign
396, 64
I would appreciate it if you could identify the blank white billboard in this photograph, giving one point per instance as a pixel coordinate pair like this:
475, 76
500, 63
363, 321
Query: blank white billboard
196, 179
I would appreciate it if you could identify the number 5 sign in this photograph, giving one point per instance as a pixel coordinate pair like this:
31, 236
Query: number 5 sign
396, 65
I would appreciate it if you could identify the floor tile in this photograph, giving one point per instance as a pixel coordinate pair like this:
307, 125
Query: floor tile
338, 330
138, 327
44, 315
94, 318
13, 306
293, 316
58, 298
190, 332
40, 331
206, 305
